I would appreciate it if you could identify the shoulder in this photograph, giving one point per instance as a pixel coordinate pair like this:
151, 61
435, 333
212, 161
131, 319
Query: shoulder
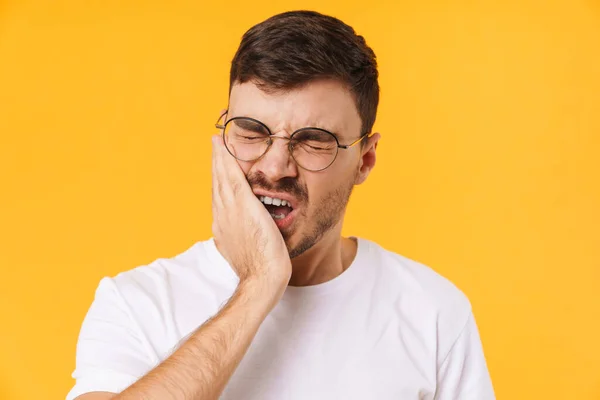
144, 284
164, 299
196, 268
127, 329
425, 291
151, 292
148, 278
417, 278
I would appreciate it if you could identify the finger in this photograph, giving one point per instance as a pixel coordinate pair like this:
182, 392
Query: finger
237, 176
232, 169
227, 166
234, 183
217, 181
239, 181
214, 195
225, 173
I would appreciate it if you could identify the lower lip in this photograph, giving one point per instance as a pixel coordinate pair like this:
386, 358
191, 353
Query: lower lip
285, 222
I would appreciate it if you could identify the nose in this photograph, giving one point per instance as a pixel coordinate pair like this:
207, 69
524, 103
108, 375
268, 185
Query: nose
277, 163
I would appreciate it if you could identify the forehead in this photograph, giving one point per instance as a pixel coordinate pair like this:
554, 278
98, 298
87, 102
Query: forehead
323, 104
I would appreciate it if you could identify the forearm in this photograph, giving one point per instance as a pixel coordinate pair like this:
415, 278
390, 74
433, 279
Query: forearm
203, 365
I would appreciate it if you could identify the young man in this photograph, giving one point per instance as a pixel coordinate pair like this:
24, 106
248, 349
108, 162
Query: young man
278, 305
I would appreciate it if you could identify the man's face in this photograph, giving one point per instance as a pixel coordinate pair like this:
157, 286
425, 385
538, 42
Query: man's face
318, 199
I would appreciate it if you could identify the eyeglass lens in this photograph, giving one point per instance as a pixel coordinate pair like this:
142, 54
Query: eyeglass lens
248, 140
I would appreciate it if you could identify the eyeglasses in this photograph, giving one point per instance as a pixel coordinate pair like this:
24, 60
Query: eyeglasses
313, 149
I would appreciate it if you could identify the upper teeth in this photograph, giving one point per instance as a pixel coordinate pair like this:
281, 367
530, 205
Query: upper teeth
273, 201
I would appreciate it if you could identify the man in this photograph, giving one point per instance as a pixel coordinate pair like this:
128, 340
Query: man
278, 305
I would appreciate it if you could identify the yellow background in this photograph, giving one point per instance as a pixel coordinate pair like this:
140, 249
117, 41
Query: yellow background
488, 168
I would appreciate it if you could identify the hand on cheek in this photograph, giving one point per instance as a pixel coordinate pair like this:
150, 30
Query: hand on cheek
244, 232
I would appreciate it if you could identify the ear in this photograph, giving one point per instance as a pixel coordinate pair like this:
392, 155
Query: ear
367, 158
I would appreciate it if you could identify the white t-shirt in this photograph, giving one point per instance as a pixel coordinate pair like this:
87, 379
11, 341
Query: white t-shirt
386, 328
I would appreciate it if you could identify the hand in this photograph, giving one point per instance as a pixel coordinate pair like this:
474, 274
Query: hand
244, 231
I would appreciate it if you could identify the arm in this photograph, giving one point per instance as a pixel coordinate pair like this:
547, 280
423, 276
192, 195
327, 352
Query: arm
463, 374
202, 366
252, 244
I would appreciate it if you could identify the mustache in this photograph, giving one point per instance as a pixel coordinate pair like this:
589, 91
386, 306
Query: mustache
284, 185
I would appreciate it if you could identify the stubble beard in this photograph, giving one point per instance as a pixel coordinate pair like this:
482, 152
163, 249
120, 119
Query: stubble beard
328, 214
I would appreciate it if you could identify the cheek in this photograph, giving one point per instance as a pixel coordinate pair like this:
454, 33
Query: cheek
321, 185
317, 188
346, 165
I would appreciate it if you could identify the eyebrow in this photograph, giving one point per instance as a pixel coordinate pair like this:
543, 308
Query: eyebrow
328, 130
245, 124
318, 126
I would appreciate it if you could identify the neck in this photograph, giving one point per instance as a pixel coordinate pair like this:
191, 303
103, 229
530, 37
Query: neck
327, 259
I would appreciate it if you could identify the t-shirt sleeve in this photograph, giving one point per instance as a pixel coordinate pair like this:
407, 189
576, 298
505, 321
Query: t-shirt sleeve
110, 351
463, 375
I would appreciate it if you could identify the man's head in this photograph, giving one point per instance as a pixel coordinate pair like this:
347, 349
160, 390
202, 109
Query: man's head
296, 70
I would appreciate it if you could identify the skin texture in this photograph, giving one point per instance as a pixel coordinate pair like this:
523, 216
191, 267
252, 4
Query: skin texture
309, 252
314, 241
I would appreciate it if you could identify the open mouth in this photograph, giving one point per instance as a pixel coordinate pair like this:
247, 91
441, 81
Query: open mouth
278, 208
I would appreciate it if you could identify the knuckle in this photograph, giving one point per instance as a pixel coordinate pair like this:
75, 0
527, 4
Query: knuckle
236, 188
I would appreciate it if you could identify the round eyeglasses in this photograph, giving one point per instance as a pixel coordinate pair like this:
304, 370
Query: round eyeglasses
313, 149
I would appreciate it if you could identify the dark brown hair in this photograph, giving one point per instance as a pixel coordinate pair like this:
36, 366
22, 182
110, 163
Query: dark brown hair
291, 49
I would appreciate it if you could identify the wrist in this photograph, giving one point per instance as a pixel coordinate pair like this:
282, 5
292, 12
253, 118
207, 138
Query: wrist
260, 293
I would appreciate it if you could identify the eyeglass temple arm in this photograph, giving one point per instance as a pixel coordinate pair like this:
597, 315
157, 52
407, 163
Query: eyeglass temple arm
347, 146
218, 125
